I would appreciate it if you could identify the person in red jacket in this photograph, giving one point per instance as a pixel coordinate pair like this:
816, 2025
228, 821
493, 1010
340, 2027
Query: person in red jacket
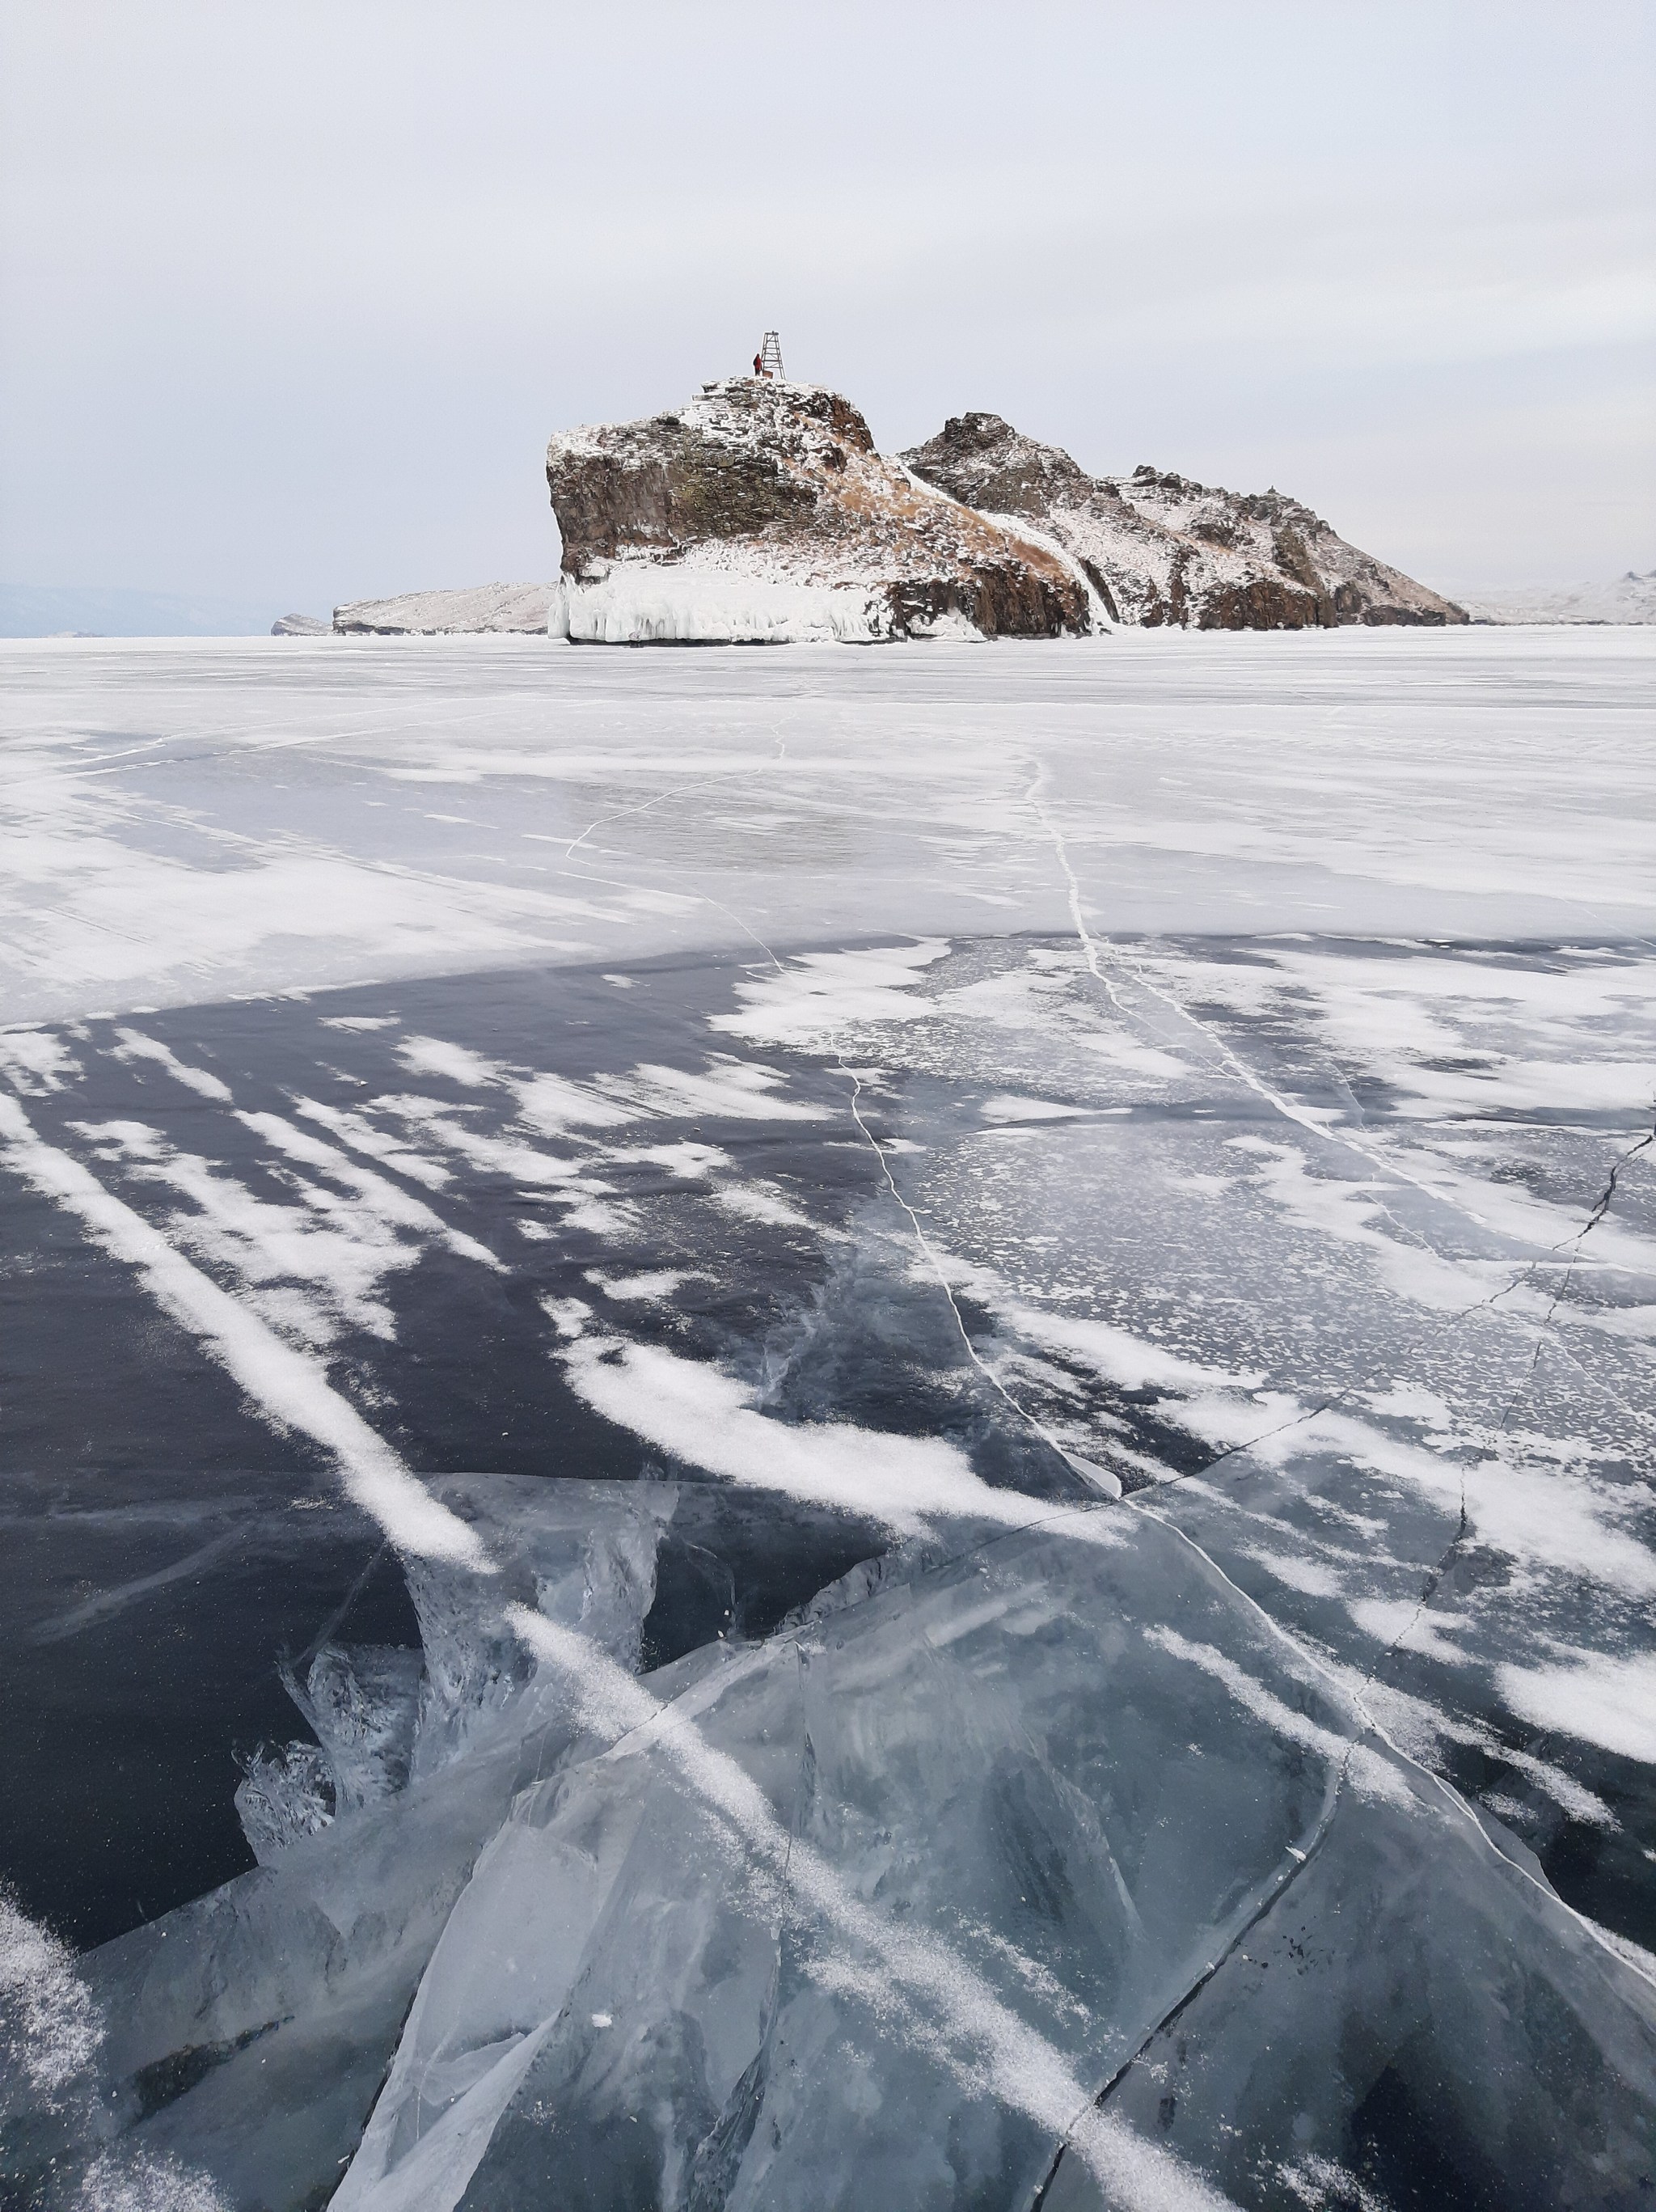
758, 368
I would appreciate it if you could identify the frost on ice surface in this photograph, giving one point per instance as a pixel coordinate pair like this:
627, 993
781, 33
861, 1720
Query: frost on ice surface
50, 2028
986, 1542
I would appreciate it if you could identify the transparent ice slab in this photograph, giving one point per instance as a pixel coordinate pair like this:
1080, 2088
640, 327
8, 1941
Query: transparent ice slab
882, 1904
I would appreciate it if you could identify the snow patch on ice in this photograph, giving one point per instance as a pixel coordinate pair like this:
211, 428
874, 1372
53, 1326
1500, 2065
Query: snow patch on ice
753, 1202
49, 2029
1598, 1698
1546, 1517
424, 1055
711, 1420
132, 2181
309, 1268
1116, 1354
1322, 2184
290, 1388
1347, 1209
382, 1199
1008, 1106
554, 1104
134, 1045
729, 1090
36, 1062
360, 1133
821, 993
1393, 1621
651, 1289
687, 1161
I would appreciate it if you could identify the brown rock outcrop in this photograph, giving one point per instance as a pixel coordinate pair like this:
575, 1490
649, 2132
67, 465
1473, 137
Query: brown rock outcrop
1159, 549
762, 510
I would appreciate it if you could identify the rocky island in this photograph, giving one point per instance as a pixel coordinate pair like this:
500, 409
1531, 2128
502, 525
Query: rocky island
761, 512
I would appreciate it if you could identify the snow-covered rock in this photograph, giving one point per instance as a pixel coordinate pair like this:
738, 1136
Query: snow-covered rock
1159, 549
301, 626
479, 607
760, 512
1630, 599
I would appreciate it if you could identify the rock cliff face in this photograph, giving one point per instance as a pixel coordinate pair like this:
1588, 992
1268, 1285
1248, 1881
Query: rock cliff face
761, 511
1158, 548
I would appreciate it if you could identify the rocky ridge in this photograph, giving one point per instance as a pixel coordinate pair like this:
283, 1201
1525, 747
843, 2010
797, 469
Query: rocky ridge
761, 511
1160, 550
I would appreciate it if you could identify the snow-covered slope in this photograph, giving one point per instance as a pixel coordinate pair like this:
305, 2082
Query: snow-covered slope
1160, 549
479, 607
1630, 599
761, 512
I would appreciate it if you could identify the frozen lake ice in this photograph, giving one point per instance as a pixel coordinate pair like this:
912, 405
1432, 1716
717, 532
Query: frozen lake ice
783, 1428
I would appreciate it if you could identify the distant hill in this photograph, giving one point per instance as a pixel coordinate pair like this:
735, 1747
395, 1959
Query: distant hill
473, 609
1630, 599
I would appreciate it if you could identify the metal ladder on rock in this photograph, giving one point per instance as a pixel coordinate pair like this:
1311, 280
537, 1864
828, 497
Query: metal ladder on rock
770, 357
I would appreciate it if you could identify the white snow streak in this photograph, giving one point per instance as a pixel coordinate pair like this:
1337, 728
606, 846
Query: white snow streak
1607, 1701
134, 1045
290, 1390
689, 1408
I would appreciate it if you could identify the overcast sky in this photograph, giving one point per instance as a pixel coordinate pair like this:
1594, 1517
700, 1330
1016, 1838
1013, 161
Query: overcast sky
295, 290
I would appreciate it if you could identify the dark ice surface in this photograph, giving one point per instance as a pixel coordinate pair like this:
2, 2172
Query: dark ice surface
143, 1610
